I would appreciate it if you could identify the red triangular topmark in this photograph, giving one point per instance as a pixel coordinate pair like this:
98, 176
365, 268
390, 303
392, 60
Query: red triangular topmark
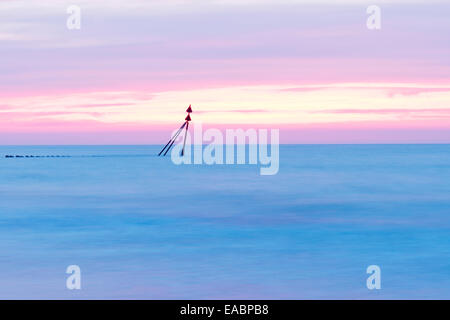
189, 109
188, 118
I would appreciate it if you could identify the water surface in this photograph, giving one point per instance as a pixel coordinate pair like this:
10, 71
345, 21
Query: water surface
141, 227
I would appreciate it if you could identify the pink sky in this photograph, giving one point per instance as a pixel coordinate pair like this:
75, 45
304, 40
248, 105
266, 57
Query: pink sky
309, 68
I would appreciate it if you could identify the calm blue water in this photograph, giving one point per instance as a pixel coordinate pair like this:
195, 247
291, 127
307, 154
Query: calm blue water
141, 227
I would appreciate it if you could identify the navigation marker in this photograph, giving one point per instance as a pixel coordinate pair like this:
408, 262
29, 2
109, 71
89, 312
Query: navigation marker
175, 136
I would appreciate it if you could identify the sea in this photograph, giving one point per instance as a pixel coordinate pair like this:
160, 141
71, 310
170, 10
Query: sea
139, 226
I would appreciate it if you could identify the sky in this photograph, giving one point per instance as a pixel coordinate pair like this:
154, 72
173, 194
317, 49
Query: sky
311, 69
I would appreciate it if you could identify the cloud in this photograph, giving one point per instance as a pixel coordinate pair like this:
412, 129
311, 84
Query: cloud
233, 111
436, 112
261, 63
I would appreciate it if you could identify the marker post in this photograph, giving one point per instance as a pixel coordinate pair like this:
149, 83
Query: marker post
169, 144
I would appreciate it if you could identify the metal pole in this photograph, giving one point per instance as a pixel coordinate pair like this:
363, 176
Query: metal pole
185, 135
173, 141
174, 136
